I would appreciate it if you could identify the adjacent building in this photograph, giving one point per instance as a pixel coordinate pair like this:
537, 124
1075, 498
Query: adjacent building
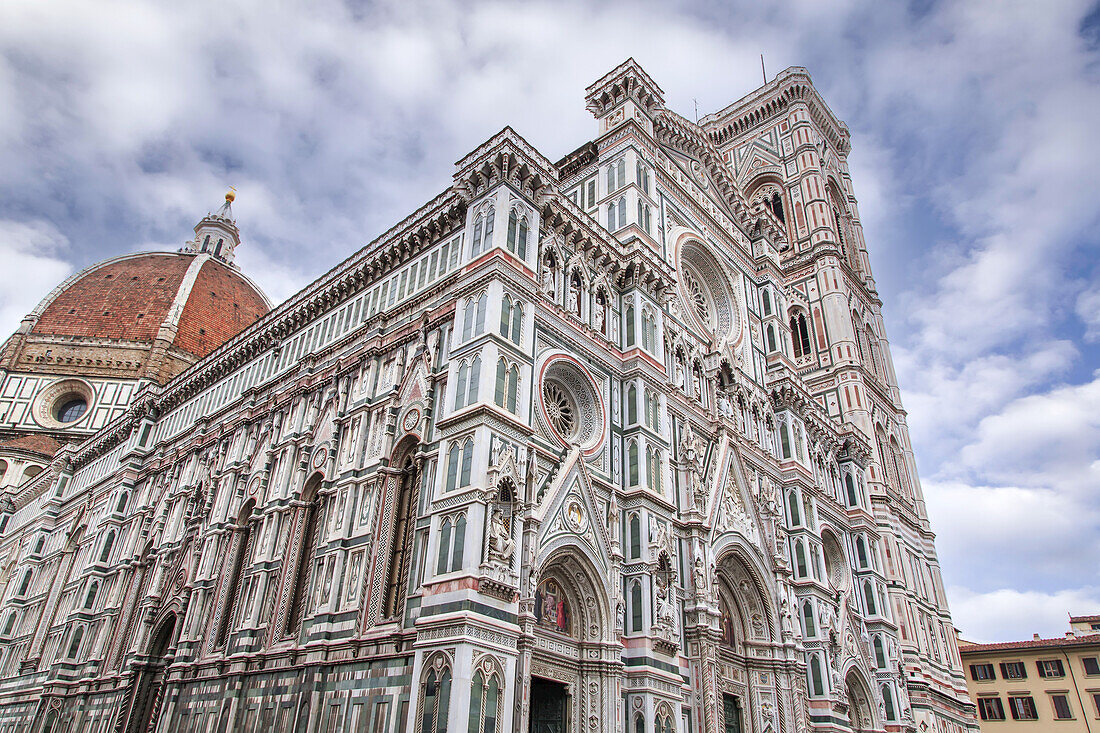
612, 443
1038, 684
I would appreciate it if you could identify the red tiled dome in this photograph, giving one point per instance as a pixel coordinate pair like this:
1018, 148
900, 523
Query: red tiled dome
132, 298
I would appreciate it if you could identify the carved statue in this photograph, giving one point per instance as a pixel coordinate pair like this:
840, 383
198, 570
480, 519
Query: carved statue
699, 577
598, 318
501, 544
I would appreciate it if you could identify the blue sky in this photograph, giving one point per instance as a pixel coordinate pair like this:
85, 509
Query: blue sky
974, 160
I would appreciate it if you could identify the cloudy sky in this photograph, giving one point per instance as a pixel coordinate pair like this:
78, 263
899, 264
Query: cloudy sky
974, 159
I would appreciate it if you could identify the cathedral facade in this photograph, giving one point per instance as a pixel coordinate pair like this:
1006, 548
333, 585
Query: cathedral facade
607, 444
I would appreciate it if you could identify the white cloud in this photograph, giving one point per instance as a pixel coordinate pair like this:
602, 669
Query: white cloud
31, 253
1007, 614
1088, 310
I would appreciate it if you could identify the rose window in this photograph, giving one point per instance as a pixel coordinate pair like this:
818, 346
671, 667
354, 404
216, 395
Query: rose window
560, 409
571, 405
698, 297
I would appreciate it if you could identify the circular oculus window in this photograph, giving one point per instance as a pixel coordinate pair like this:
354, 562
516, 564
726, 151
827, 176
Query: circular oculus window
63, 403
707, 292
571, 405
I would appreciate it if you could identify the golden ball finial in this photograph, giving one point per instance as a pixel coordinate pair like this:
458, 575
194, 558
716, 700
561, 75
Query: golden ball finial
231, 195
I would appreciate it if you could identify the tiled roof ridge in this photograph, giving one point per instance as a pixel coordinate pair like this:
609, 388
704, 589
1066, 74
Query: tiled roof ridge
1079, 640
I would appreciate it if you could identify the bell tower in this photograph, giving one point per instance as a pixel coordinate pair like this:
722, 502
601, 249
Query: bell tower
217, 234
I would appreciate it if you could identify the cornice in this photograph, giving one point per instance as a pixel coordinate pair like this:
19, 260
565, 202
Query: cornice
788, 87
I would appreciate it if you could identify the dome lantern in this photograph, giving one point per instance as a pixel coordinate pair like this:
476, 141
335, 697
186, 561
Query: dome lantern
216, 234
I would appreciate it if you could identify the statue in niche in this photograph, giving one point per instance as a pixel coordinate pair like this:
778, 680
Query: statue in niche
501, 544
598, 318
549, 281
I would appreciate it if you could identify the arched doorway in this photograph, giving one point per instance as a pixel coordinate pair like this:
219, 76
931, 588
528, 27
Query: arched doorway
746, 624
571, 624
860, 716
148, 688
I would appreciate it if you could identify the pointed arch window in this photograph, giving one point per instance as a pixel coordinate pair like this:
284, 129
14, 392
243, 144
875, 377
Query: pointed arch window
801, 569
861, 551
89, 597
25, 586
401, 542
651, 410
880, 653
459, 462
636, 607
241, 545
511, 319
484, 701
888, 703
437, 699
653, 469
869, 598
452, 545
629, 341
517, 234
632, 462
785, 439
483, 233
850, 490
817, 682
809, 627
800, 335
631, 405
793, 511
771, 338
765, 295
108, 543
74, 644
9, 624
635, 537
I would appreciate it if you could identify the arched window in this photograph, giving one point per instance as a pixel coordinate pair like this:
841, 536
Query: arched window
483, 233
475, 377
798, 441
765, 295
635, 537
511, 319
401, 542
629, 325
636, 607
502, 382
517, 234
861, 551
880, 653
484, 698
771, 338
460, 543
120, 507
612, 215
461, 384
785, 439
800, 335
632, 462
459, 463
437, 699
643, 178
631, 405
792, 503
817, 684
108, 543
479, 321
506, 316
800, 559
639, 723
89, 597
444, 546
654, 459
25, 586
40, 545
513, 388
241, 544
469, 316
850, 490
9, 624
809, 628
869, 598
888, 702
621, 210
74, 643
651, 411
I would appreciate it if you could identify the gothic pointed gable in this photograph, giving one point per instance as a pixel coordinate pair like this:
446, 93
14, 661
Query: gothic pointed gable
570, 514
732, 508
